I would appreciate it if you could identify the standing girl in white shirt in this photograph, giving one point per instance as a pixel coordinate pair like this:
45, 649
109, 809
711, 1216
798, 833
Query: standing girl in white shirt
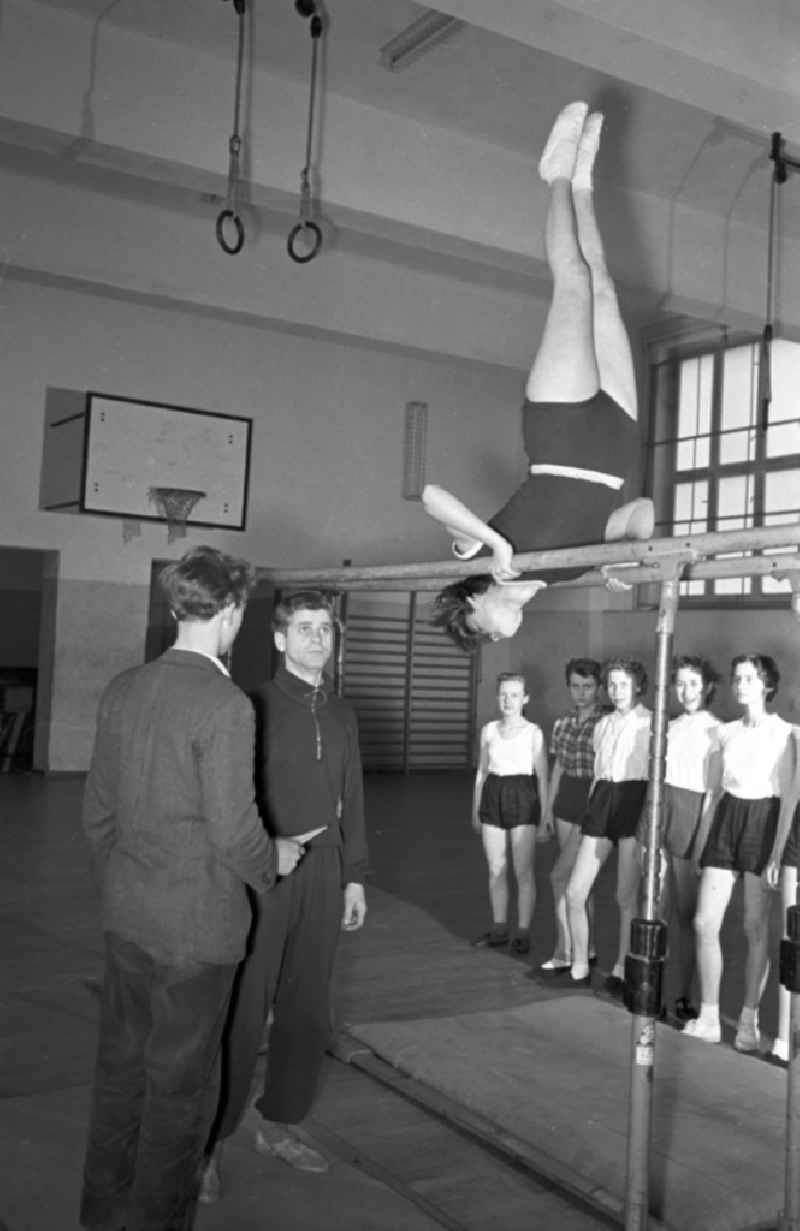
621, 747
509, 800
691, 779
757, 771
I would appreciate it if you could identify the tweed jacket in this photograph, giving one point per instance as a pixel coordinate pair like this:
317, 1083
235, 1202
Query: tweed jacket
170, 814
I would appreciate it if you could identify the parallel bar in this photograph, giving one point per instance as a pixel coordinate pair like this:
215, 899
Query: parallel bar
636, 574
648, 552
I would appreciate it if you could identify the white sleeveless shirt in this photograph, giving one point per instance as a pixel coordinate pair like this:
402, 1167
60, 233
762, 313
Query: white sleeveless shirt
516, 755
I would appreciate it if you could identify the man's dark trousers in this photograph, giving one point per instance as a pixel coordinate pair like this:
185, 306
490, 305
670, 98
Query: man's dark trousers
156, 1088
288, 967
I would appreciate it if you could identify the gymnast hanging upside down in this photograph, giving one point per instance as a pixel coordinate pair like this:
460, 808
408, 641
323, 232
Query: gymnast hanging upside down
579, 417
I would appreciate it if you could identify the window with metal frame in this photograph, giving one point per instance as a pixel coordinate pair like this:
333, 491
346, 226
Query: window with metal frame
717, 461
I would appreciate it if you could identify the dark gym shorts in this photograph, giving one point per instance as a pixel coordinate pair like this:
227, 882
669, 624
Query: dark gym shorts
614, 809
509, 800
681, 819
571, 798
791, 851
742, 834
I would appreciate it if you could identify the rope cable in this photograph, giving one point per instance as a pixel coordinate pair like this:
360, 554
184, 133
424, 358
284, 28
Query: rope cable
307, 228
231, 211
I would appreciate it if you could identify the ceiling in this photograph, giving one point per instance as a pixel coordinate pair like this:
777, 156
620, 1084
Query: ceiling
691, 94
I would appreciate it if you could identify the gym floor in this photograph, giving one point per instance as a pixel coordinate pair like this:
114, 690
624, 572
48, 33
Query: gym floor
405, 1152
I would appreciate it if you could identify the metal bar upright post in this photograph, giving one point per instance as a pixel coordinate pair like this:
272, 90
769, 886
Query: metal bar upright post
790, 978
648, 935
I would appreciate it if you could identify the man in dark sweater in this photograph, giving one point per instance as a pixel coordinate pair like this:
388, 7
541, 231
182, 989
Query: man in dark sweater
312, 790
171, 818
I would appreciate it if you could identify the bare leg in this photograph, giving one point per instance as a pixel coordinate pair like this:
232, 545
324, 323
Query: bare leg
569, 837
592, 854
565, 368
629, 872
756, 918
494, 846
523, 854
716, 887
611, 343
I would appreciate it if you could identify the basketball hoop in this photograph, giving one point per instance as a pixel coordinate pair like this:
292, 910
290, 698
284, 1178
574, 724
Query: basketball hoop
174, 504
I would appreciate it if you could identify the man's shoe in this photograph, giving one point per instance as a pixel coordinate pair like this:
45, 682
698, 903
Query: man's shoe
292, 1151
209, 1181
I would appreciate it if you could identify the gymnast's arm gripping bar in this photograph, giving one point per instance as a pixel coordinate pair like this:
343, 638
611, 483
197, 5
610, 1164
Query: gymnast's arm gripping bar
645, 555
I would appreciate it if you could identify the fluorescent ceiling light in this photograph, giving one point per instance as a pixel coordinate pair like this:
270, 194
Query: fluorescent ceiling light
428, 30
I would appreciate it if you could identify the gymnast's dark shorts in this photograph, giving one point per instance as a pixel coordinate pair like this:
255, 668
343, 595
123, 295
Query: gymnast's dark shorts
509, 800
681, 820
571, 798
614, 809
791, 851
742, 834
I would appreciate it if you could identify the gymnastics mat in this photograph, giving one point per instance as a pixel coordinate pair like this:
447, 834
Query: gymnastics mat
555, 1075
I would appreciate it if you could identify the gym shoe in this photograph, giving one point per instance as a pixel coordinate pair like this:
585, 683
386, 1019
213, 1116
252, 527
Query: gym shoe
561, 150
747, 1036
555, 966
209, 1181
521, 944
291, 1151
698, 1029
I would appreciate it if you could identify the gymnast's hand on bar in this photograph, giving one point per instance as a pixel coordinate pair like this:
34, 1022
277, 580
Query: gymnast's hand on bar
502, 556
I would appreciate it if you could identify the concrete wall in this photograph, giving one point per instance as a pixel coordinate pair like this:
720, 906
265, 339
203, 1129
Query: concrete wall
326, 472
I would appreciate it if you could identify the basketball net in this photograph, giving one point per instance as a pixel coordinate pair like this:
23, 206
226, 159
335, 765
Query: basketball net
174, 504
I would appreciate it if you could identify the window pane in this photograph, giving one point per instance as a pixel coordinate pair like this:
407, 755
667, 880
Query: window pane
735, 497
781, 496
694, 412
739, 396
783, 436
690, 507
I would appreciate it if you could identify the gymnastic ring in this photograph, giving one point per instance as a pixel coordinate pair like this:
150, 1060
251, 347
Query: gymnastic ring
295, 232
222, 218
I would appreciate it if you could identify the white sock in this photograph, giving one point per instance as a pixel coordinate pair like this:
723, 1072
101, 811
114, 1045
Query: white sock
579, 970
748, 1017
709, 1014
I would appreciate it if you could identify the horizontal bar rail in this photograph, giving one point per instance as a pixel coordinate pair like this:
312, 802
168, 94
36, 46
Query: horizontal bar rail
640, 561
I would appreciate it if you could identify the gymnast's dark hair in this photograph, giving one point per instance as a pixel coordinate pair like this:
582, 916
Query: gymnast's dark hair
631, 667
587, 668
451, 608
702, 667
204, 581
766, 669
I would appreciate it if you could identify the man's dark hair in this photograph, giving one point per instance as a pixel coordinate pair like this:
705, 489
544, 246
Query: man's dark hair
766, 669
301, 600
589, 668
204, 581
451, 609
702, 667
631, 667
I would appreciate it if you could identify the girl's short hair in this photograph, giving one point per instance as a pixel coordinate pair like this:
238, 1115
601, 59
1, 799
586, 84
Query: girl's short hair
589, 668
702, 667
452, 608
631, 667
766, 669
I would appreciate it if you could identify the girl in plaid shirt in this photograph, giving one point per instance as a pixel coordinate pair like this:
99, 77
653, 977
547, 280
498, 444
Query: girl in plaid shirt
572, 749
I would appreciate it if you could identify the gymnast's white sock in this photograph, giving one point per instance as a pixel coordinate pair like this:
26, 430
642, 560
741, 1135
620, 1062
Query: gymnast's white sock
587, 151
